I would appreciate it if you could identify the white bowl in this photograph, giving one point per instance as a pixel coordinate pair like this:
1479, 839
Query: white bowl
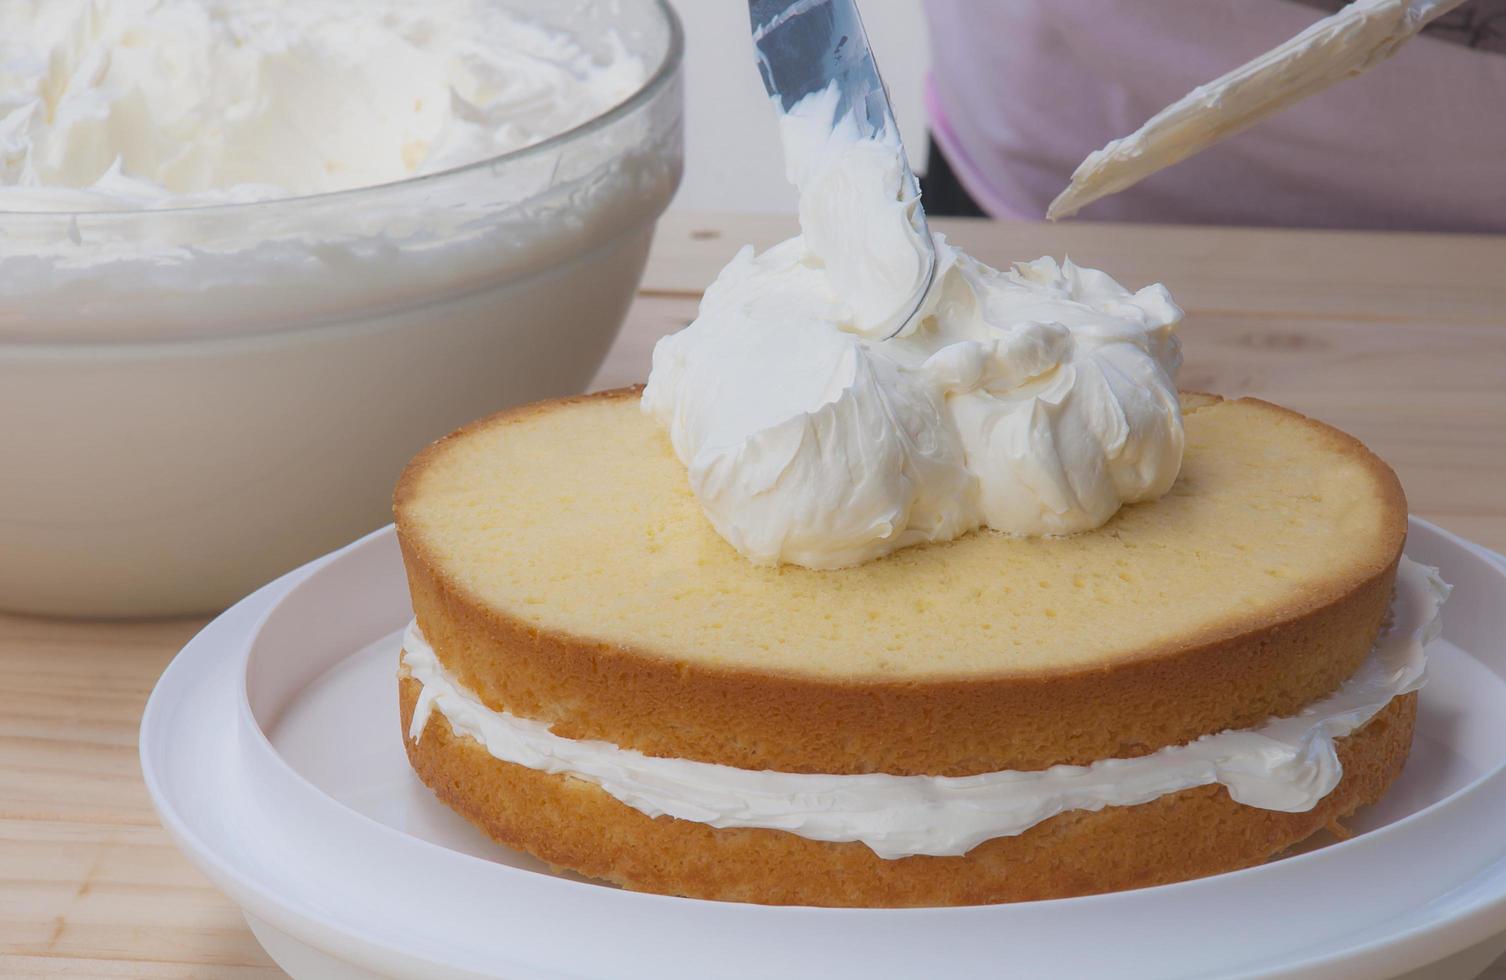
193, 401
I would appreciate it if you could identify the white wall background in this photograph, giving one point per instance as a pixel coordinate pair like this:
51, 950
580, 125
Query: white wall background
732, 156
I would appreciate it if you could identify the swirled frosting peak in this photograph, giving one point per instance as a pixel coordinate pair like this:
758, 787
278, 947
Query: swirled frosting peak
1034, 401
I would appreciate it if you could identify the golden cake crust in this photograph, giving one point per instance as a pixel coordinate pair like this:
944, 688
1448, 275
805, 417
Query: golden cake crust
1232, 676
576, 825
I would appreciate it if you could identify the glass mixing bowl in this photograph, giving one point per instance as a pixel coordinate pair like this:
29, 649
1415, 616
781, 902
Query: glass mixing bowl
195, 400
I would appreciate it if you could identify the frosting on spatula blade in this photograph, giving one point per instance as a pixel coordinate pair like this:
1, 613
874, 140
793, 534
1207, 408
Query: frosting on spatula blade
1346, 44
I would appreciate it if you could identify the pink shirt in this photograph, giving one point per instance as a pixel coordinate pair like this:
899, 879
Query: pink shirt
1022, 90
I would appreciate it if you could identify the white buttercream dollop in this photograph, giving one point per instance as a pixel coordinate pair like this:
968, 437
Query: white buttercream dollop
1287, 764
1034, 401
129, 104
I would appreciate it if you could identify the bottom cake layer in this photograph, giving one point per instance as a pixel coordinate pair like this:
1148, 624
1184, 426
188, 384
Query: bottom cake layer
574, 824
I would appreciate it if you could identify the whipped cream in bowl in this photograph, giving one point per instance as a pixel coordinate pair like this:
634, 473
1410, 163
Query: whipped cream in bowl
134, 104
370, 153
255, 253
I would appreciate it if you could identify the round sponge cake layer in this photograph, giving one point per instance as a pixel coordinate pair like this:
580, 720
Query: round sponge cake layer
562, 569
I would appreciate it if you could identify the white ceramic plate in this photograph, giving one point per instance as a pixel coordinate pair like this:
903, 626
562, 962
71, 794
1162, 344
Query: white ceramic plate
272, 752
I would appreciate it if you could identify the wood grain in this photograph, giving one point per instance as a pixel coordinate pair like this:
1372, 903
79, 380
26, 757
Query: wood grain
1400, 339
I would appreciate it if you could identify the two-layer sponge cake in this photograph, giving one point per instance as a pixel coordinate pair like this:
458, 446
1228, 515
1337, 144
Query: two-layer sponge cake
604, 682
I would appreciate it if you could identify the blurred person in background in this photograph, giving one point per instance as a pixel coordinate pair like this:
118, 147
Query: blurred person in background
1021, 90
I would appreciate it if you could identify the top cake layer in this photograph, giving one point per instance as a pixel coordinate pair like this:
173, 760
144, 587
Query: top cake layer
563, 572
577, 519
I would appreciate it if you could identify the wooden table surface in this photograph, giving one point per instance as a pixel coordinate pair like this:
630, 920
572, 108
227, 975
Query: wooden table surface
1400, 339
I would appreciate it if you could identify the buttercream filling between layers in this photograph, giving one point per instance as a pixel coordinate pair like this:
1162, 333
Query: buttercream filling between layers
1287, 764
